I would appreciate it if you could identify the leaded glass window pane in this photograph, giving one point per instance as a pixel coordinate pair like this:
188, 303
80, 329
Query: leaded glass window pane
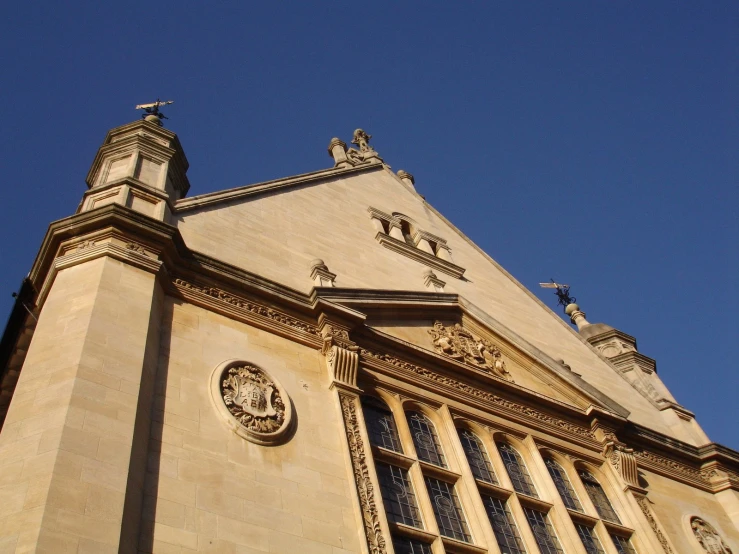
563, 485
425, 439
506, 532
598, 497
477, 457
589, 539
380, 425
447, 509
404, 545
517, 470
397, 494
543, 532
623, 545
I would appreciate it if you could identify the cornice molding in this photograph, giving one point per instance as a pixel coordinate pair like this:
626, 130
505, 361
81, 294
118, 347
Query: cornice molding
276, 185
420, 256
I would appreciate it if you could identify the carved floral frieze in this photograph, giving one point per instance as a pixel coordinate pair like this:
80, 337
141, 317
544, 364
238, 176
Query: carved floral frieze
481, 394
365, 488
644, 507
253, 403
249, 306
461, 345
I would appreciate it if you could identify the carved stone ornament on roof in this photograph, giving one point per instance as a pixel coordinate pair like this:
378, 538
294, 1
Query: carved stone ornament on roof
708, 537
361, 138
254, 404
461, 345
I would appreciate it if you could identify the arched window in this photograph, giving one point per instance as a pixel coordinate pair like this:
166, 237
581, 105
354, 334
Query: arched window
425, 439
504, 528
516, 469
589, 539
598, 497
380, 424
563, 485
477, 457
544, 534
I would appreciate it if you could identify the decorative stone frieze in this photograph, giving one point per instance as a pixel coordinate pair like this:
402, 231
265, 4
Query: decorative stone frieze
708, 537
526, 412
644, 507
362, 480
251, 401
249, 306
461, 345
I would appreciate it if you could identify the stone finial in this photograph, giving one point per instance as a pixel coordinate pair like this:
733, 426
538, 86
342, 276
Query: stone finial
432, 282
320, 274
337, 150
407, 178
576, 316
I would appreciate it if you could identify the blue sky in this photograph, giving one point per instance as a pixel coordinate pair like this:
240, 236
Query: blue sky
594, 142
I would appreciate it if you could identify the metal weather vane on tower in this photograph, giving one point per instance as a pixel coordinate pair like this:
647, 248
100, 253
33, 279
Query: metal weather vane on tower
563, 293
152, 112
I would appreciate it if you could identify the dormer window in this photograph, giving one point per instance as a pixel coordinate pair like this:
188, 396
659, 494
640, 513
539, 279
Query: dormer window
400, 233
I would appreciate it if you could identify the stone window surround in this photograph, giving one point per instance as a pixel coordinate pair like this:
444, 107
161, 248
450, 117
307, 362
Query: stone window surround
455, 457
429, 249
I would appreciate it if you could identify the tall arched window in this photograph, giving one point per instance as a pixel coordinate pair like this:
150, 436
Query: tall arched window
598, 497
564, 487
477, 457
425, 439
380, 424
516, 469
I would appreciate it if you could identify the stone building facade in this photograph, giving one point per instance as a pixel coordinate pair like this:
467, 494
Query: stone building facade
323, 364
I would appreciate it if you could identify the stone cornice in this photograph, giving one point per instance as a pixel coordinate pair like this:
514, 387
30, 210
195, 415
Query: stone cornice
420, 256
276, 185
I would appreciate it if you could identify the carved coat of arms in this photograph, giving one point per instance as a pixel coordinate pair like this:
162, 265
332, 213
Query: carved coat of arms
708, 537
459, 344
253, 398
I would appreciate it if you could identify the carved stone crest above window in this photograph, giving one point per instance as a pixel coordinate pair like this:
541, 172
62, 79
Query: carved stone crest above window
461, 345
708, 537
254, 404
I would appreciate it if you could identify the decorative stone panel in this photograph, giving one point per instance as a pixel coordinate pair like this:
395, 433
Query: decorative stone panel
253, 404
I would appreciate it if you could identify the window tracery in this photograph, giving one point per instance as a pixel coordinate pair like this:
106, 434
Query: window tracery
564, 487
477, 457
425, 439
598, 497
543, 532
381, 426
516, 469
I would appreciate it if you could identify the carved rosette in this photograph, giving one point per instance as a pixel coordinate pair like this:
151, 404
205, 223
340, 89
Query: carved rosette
252, 402
365, 488
459, 344
708, 537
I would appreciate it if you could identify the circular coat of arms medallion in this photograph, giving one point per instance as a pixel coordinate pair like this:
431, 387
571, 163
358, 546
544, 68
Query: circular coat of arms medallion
253, 403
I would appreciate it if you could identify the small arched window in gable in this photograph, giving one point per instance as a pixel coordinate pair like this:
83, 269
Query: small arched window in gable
598, 497
380, 424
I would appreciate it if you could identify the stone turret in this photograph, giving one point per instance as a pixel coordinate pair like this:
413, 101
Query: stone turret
140, 165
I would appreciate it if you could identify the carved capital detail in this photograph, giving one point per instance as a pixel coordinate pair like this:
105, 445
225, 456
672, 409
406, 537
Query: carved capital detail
644, 506
343, 364
365, 488
623, 461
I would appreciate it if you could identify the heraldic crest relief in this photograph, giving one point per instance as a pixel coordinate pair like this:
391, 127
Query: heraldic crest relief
708, 537
461, 345
255, 405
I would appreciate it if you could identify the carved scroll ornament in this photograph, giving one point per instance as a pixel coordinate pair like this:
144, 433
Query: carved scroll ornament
461, 345
253, 403
365, 489
623, 460
708, 537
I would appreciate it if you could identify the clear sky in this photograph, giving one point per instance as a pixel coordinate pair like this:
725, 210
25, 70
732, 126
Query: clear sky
593, 142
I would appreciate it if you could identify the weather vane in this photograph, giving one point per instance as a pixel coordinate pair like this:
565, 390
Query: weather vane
563, 293
151, 111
